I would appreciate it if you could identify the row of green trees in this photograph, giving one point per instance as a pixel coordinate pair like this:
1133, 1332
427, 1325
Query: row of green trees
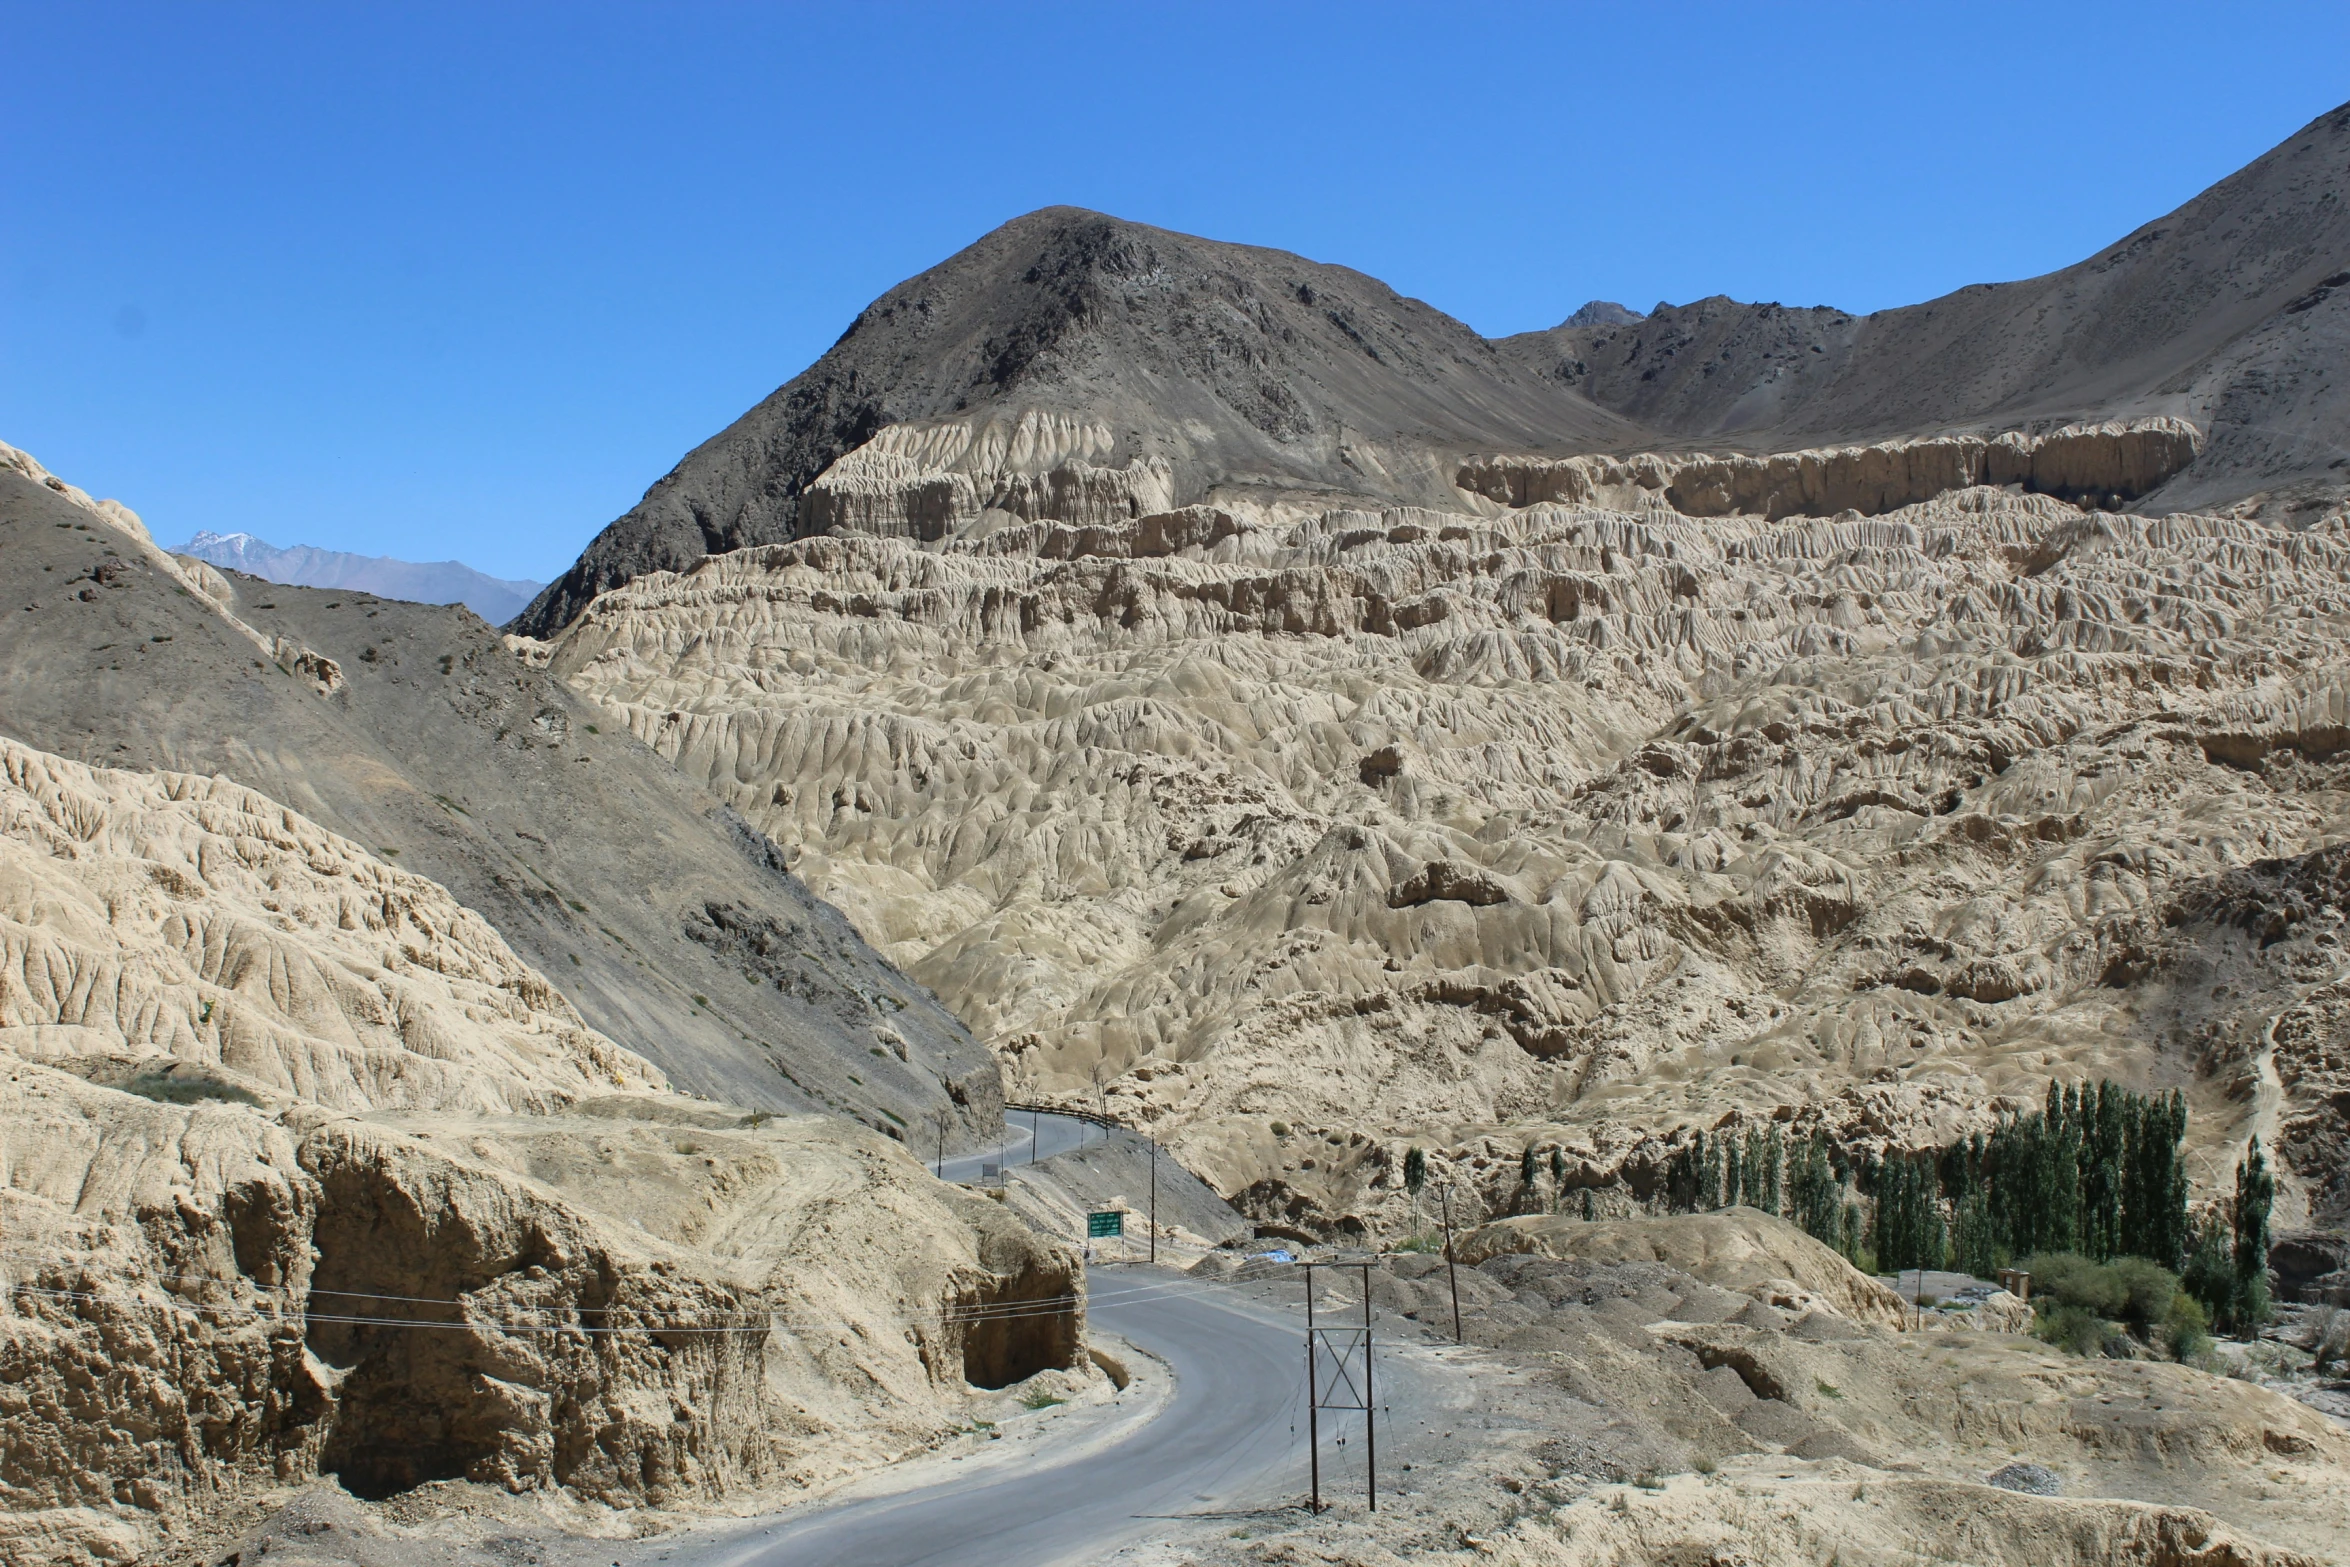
2095, 1173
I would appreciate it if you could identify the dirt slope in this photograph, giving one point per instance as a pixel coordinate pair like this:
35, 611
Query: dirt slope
413, 730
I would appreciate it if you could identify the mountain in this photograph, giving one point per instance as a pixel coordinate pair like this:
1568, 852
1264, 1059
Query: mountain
1173, 369
1214, 675
671, 925
2232, 312
1071, 365
437, 582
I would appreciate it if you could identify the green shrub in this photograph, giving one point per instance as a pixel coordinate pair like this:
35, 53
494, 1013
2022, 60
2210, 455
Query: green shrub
2186, 1332
2073, 1328
184, 1086
2128, 1294
2148, 1290
2063, 1278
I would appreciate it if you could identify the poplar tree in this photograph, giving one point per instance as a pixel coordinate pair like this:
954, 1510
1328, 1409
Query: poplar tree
2256, 1194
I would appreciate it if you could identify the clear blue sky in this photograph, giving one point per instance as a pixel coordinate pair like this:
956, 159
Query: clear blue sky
463, 281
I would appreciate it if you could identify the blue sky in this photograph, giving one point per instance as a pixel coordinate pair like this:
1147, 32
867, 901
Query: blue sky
463, 281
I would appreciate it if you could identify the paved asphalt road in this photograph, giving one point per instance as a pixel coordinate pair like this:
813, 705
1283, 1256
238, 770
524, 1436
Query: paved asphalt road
1053, 1134
1224, 1443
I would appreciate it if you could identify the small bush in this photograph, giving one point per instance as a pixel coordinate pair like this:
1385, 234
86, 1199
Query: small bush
1038, 1398
2186, 1331
2148, 1289
184, 1088
2065, 1278
1280, 1128
2329, 1341
2139, 1294
2075, 1329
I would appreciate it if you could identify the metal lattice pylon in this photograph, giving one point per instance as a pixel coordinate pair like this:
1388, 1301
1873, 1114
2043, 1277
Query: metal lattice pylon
1338, 1377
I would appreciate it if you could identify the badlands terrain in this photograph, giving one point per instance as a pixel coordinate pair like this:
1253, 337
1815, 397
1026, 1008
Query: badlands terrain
472, 1071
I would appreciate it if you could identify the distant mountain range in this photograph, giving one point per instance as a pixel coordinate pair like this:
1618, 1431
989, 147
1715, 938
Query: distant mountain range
494, 599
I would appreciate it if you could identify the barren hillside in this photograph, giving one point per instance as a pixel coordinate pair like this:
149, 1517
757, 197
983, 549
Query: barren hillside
411, 728
2232, 312
307, 1172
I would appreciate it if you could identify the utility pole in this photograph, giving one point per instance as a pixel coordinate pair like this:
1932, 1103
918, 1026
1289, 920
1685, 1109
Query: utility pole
1313, 1399
942, 1144
1451, 1273
1154, 1142
1315, 1402
1370, 1401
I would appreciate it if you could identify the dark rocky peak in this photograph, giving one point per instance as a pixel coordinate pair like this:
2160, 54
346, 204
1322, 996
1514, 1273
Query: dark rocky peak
1602, 312
1231, 364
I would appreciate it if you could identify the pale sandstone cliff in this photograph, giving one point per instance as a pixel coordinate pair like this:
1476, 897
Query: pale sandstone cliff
1321, 831
302, 1171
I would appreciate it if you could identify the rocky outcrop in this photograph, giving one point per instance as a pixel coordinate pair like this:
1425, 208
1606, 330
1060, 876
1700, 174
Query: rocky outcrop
1743, 1250
159, 921
303, 1172
1212, 365
928, 481
2108, 463
1556, 826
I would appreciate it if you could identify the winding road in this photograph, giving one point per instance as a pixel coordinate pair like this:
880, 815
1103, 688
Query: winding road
1230, 1439
1032, 1136
1232, 1367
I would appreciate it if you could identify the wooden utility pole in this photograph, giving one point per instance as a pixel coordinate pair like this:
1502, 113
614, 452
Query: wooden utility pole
1154, 1142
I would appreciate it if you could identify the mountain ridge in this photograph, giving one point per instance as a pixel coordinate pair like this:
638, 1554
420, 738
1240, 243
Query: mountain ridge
1240, 367
494, 599
2222, 311
1233, 364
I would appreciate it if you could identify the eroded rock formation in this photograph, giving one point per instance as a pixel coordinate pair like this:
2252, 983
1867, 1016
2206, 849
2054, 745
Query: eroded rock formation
2110, 462
303, 1171
1557, 824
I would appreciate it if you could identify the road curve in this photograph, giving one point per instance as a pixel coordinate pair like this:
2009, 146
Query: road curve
1224, 1442
1029, 1137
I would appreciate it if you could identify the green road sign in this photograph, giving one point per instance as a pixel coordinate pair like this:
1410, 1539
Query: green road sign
1098, 1225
